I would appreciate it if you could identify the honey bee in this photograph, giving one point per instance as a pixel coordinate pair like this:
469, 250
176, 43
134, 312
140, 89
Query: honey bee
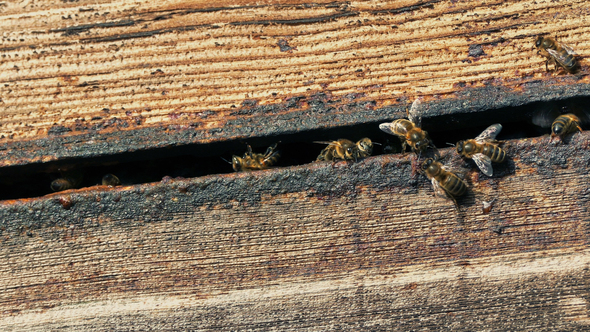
255, 161
558, 54
561, 124
445, 183
482, 150
344, 149
408, 130
110, 180
70, 180
564, 125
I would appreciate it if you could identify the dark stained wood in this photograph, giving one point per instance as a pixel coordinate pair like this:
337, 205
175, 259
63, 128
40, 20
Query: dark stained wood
315, 247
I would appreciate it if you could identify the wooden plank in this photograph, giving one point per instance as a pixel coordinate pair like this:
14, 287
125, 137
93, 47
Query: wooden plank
315, 247
94, 78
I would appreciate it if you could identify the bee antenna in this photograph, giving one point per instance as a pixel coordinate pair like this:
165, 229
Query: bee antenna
225, 160
377, 143
451, 144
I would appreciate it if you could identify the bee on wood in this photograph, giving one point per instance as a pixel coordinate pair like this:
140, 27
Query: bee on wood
560, 55
255, 161
482, 150
565, 124
408, 130
446, 184
110, 180
561, 124
69, 180
344, 149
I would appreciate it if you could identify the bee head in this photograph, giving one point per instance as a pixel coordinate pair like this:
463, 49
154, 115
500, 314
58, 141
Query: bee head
236, 163
110, 180
539, 41
427, 163
460, 147
365, 145
557, 129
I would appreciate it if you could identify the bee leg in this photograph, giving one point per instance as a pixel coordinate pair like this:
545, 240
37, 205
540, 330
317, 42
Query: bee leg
404, 146
547, 65
455, 202
555, 66
322, 156
270, 150
249, 150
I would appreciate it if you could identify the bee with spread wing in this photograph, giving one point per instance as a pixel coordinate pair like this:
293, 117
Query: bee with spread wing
408, 130
483, 150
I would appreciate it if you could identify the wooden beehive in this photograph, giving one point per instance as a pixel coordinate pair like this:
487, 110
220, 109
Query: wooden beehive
304, 246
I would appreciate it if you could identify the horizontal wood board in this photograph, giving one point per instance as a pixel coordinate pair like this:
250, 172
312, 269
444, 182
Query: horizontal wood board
318, 247
94, 78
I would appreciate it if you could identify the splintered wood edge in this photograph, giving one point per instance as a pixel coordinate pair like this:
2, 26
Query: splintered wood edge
88, 79
311, 241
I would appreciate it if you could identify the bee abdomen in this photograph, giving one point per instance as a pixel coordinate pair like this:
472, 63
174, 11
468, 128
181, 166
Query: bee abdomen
495, 153
569, 62
455, 186
403, 123
62, 184
562, 120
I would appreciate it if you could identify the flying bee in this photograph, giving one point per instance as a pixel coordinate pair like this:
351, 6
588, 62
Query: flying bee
482, 150
344, 149
560, 55
69, 180
110, 180
446, 184
408, 130
255, 161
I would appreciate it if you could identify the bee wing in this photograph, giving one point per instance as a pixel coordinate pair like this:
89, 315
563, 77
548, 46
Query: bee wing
274, 154
568, 49
544, 118
438, 190
490, 133
484, 163
559, 57
414, 114
392, 128
328, 142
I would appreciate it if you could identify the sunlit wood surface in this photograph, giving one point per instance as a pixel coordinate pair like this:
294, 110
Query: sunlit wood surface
177, 72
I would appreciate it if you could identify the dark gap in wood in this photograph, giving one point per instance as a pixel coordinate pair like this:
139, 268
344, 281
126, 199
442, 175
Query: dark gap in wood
296, 149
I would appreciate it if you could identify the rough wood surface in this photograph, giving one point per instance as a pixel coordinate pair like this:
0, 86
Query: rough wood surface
316, 247
89, 78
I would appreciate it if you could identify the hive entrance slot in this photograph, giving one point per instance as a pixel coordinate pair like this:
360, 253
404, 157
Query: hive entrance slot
296, 149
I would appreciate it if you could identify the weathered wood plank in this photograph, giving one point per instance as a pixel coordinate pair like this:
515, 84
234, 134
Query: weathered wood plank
88, 78
315, 247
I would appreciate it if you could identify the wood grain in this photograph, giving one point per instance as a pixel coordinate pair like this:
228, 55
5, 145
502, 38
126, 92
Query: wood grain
93, 78
317, 247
